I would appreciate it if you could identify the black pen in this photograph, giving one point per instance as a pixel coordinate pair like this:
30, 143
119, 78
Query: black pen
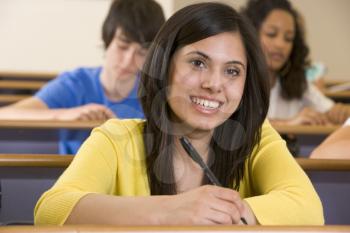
191, 151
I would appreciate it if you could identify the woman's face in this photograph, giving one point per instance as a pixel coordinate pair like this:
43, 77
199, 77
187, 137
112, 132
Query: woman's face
277, 34
207, 81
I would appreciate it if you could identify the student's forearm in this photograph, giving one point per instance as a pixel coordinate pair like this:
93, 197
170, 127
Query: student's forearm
10, 113
335, 146
31, 108
112, 210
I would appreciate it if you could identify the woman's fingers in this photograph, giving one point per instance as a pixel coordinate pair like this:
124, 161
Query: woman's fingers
207, 205
228, 202
226, 212
312, 117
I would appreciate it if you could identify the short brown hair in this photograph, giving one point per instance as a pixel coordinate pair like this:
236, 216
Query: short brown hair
140, 20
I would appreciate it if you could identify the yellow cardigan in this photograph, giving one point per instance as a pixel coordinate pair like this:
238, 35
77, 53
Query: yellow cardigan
112, 161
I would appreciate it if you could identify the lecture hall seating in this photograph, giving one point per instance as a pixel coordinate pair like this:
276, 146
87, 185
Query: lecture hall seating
17, 85
19, 132
39, 137
24, 177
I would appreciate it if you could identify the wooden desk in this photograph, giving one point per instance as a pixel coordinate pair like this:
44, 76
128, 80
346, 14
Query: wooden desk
17, 85
42, 160
39, 137
7, 74
21, 85
33, 124
6, 99
25, 177
36, 124
331, 82
189, 229
324, 164
338, 94
308, 137
341, 96
20, 130
306, 129
33, 160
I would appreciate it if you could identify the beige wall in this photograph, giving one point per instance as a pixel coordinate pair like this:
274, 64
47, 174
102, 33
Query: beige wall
328, 31
50, 35
54, 35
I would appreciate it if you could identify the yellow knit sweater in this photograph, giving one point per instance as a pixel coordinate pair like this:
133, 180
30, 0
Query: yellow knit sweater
112, 161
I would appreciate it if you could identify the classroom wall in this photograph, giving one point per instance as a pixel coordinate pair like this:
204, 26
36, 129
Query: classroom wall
50, 35
328, 33
54, 35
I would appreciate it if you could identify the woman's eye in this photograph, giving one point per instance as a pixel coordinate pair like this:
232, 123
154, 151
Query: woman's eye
197, 63
232, 72
271, 35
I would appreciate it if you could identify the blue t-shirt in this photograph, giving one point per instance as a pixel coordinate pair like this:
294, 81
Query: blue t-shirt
79, 87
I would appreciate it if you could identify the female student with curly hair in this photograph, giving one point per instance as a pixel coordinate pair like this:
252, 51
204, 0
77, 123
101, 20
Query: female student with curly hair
293, 100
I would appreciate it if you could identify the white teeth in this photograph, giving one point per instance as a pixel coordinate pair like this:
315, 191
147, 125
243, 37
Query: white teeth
205, 103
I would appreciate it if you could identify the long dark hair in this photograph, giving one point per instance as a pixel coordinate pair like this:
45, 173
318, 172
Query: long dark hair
234, 140
292, 74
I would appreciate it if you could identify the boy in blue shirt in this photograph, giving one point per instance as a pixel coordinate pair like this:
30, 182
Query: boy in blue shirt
103, 92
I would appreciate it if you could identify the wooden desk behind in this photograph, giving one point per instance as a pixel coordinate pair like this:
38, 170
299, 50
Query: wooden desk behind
29, 75
6, 99
339, 96
37, 137
184, 229
51, 124
331, 179
343, 93
24, 178
18, 85
308, 137
38, 131
306, 129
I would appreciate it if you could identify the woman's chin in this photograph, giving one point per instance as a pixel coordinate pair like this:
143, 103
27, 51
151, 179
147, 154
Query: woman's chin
204, 125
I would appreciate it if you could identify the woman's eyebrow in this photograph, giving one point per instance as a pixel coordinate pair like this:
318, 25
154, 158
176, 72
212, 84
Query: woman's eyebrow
235, 62
200, 54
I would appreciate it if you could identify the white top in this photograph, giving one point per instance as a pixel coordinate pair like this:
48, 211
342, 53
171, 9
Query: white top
286, 109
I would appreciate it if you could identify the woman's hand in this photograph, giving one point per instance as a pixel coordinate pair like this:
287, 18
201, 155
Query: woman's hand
309, 116
207, 205
339, 113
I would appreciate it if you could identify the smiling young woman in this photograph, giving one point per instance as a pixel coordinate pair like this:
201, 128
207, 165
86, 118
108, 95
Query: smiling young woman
205, 79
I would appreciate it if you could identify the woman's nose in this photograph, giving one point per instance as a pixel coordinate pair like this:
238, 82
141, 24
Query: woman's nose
213, 81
